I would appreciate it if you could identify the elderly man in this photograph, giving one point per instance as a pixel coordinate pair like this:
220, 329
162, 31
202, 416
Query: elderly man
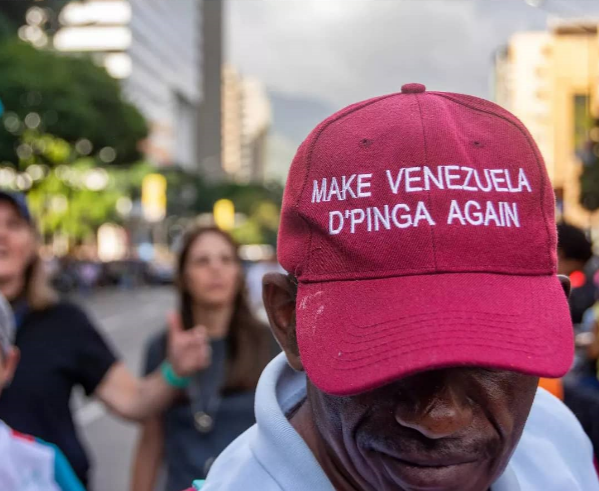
421, 308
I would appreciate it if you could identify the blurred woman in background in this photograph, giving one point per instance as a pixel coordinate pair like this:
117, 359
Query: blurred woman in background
217, 405
61, 349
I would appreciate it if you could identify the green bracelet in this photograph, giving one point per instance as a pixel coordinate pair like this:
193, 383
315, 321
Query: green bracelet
171, 378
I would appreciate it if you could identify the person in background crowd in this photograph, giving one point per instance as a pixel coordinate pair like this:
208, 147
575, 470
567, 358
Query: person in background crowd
413, 345
576, 260
217, 405
26, 463
575, 252
61, 349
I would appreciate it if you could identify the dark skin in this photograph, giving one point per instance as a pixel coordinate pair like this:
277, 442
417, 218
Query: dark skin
444, 430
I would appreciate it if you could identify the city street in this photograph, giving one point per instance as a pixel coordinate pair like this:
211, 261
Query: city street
127, 318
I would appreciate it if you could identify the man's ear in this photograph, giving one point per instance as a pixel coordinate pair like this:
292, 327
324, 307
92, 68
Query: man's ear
278, 294
565, 281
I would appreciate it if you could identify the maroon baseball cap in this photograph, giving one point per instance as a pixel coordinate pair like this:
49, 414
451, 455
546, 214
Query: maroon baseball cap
421, 229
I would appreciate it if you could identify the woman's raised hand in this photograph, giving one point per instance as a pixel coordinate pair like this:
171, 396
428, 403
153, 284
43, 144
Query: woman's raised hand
188, 350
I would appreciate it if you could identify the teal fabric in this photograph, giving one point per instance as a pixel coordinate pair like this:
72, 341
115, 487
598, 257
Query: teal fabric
63, 472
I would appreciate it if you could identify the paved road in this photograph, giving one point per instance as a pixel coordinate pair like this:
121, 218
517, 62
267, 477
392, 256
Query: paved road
127, 319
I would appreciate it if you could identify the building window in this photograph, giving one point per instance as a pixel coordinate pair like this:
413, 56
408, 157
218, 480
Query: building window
583, 121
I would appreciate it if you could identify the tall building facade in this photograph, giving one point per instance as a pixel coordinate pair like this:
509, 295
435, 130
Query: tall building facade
246, 121
209, 116
549, 80
155, 48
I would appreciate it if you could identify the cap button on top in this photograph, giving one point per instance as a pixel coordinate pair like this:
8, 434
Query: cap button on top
413, 88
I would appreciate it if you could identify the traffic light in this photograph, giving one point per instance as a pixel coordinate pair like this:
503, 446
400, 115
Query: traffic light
153, 197
224, 214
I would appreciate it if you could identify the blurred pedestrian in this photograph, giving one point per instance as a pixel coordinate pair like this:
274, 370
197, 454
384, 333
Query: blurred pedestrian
88, 273
216, 405
416, 319
575, 254
26, 463
61, 349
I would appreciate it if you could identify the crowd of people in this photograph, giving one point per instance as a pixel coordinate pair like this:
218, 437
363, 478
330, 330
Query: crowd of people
412, 351
201, 372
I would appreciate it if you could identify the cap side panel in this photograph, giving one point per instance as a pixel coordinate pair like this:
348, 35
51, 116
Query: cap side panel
428, 194
496, 111
295, 233
315, 136
376, 143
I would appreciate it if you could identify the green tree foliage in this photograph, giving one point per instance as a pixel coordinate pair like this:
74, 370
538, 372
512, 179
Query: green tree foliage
65, 195
14, 11
258, 205
67, 97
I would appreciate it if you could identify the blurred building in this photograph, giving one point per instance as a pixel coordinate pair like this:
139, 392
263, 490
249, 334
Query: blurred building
246, 121
155, 48
549, 80
208, 134
232, 120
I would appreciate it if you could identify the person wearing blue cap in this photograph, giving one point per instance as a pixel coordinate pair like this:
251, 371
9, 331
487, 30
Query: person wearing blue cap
61, 349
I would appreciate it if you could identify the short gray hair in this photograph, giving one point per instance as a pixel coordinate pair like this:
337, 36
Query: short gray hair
7, 326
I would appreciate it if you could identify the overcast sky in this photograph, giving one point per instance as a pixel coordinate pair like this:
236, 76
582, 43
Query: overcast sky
342, 51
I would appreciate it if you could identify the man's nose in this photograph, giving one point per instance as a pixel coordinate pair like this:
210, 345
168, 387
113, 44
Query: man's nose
435, 405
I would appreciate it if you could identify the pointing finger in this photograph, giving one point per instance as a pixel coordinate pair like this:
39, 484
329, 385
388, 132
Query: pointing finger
175, 323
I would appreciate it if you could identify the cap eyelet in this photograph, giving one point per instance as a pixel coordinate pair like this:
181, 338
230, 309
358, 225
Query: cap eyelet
365, 143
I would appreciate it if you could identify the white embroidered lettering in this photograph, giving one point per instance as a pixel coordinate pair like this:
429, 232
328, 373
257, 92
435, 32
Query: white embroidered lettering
407, 219
466, 186
395, 184
422, 214
473, 217
478, 183
491, 214
455, 212
511, 214
497, 178
379, 217
364, 184
334, 190
319, 195
357, 217
410, 179
523, 181
452, 177
332, 229
430, 177
508, 179
346, 186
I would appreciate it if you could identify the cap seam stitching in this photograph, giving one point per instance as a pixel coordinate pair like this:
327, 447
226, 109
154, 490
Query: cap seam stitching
428, 194
313, 143
429, 273
531, 145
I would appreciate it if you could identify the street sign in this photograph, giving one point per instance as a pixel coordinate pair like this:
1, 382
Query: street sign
153, 197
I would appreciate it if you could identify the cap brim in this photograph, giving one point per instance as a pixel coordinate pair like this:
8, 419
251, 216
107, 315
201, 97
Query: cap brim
13, 200
355, 336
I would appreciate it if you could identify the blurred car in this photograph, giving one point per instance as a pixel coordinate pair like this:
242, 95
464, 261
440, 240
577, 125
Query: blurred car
160, 273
